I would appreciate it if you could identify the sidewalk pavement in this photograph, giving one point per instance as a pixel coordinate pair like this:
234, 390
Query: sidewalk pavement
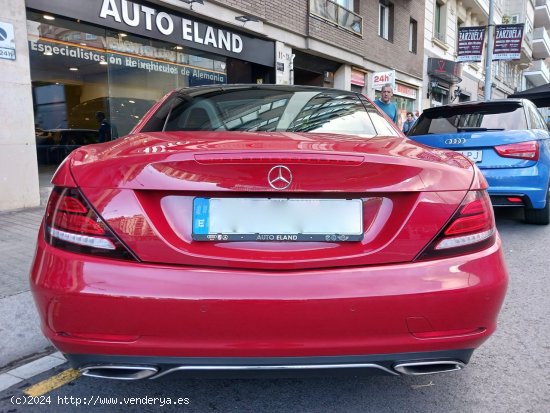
20, 335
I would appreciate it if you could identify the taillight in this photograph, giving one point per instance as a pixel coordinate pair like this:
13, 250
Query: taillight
522, 150
472, 228
73, 225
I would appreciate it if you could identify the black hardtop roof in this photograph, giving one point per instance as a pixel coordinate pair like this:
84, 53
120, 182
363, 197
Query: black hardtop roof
479, 103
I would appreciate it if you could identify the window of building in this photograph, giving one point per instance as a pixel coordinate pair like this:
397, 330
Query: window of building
439, 21
496, 68
439, 94
385, 23
510, 19
459, 24
529, 31
413, 35
348, 4
339, 12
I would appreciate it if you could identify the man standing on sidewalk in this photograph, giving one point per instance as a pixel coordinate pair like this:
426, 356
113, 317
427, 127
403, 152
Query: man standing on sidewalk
384, 102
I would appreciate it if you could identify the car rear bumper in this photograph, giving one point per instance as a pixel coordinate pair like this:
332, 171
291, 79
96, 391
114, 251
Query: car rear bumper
530, 183
133, 368
95, 306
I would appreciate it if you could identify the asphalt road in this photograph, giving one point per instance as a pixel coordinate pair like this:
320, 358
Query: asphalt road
509, 373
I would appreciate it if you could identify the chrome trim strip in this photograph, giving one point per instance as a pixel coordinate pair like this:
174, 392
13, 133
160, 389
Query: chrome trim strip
275, 367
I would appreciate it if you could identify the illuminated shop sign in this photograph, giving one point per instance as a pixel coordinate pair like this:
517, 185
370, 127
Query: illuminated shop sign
446, 70
379, 79
149, 19
153, 21
59, 48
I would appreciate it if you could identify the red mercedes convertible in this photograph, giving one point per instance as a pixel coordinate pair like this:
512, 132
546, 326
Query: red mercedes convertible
263, 228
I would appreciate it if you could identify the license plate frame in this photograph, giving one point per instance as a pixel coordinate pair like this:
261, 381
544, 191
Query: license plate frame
277, 219
475, 156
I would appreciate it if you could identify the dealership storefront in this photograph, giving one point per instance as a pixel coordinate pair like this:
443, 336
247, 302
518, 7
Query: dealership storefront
63, 63
119, 57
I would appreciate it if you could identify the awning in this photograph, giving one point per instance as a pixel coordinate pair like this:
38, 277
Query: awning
540, 95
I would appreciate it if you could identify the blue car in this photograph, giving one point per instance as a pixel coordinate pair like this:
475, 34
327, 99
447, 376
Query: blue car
507, 139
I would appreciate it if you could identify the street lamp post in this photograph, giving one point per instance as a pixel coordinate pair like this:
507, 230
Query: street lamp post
489, 57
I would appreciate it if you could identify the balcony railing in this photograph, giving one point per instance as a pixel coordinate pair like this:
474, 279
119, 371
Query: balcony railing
543, 67
334, 13
539, 73
542, 14
541, 43
478, 7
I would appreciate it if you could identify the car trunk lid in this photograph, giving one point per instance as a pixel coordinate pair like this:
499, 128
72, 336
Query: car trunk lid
479, 145
147, 194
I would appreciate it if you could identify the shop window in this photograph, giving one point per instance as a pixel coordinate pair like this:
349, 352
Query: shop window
357, 81
122, 77
440, 96
385, 21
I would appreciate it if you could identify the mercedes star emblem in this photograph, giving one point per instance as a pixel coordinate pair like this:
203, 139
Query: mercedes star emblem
279, 177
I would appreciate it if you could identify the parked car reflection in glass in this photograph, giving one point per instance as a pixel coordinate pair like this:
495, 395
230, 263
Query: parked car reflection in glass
122, 113
53, 145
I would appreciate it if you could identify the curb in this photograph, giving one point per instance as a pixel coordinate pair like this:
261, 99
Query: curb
31, 369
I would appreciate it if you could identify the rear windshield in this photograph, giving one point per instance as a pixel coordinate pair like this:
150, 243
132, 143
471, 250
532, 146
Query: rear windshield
509, 116
270, 110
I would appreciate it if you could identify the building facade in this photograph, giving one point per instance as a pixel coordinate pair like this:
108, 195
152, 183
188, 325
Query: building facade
74, 59
458, 82
537, 72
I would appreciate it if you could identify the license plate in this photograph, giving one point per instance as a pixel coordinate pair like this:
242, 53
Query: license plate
474, 156
275, 219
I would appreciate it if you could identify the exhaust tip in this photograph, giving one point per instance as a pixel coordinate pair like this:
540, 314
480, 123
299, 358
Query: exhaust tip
119, 372
420, 368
